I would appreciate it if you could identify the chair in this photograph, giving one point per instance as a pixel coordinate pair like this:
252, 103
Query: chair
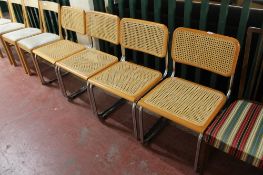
127, 80
27, 45
72, 19
188, 104
10, 39
10, 27
238, 130
87, 63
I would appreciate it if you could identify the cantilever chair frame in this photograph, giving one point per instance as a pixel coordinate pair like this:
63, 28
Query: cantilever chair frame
42, 6
8, 44
13, 19
64, 26
162, 122
55, 7
93, 36
104, 115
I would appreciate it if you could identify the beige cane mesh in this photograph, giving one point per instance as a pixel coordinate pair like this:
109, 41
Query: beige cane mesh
87, 63
127, 80
103, 26
73, 19
213, 52
144, 36
58, 50
183, 100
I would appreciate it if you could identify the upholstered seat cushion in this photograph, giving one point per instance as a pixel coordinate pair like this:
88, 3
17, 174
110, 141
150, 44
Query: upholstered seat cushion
5, 28
87, 63
127, 80
239, 131
184, 102
37, 41
4, 21
21, 34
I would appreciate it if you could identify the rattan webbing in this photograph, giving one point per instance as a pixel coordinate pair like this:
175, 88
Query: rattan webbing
213, 52
103, 26
144, 36
184, 99
73, 19
59, 50
87, 62
127, 77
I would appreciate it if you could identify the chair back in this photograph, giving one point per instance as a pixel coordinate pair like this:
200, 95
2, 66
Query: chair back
144, 36
28, 13
13, 16
73, 19
103, 26
213, 52
50, 7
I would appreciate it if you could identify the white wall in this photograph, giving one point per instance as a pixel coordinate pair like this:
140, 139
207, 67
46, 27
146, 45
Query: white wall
85, 5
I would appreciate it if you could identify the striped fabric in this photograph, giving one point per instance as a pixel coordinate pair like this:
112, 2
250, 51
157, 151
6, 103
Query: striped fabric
238, 131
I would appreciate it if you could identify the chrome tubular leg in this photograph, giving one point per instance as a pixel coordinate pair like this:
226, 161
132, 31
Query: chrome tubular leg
92, 100
60, 81
36, 64
69, 96
141, 133
197, 154
134, 120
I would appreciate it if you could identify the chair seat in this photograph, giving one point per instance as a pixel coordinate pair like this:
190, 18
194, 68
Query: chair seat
127, 80
184, 102
238, 131
4, 21
38, 40
14, 36
58, 50
5, 28
87, 63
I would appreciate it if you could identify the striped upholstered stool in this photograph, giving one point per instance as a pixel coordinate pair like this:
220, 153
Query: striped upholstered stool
238, 131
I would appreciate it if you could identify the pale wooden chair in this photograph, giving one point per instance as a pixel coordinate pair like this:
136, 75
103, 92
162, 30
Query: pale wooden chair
27, 45
127, 80
188, 104
10, 39
72, 19
87, 63
10, 27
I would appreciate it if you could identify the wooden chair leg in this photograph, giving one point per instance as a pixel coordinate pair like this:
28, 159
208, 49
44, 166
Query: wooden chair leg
12, 61
1, 54
23, 60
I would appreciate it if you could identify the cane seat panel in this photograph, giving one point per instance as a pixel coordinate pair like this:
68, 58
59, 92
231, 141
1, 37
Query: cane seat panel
127, 80
58, 50
87, 63
189, 104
